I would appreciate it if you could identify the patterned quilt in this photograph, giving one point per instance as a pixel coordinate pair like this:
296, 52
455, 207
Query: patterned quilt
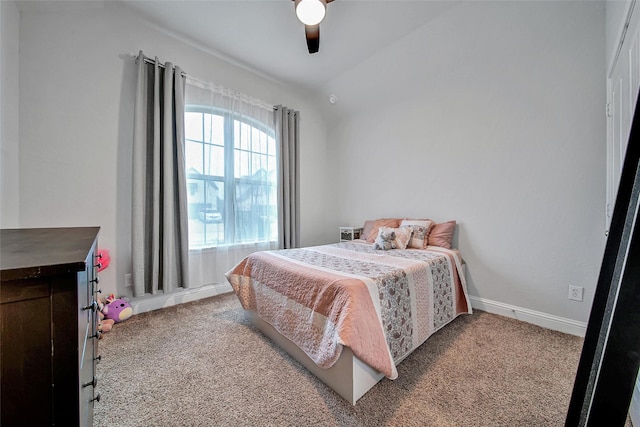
381, 304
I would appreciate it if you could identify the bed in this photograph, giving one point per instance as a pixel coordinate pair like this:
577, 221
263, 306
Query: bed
348, 312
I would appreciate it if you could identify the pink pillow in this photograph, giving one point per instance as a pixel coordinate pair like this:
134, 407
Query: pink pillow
366, 230
370, 234
441, 234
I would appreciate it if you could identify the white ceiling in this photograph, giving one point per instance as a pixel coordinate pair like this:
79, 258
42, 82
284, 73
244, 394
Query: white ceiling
266, 36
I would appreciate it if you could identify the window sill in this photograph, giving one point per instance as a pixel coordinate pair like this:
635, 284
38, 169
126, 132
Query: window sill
232, 247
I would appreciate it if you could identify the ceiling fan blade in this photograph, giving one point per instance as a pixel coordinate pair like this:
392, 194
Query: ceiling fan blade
313, 37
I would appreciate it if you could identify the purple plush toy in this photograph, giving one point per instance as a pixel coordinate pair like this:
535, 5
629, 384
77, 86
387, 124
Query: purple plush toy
119, 310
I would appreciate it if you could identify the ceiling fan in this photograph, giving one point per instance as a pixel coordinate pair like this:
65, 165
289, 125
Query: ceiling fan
311, 13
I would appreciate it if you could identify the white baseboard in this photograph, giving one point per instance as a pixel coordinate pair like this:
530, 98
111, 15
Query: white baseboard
155, 302
539, 318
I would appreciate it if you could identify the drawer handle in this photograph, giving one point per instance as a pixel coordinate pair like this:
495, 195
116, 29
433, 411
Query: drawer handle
96, 280
96, 399
98, 265
92, 383
98, 359
93, 306
96, 335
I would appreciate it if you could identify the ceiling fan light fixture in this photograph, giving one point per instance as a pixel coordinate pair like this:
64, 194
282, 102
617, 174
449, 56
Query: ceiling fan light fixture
311, 12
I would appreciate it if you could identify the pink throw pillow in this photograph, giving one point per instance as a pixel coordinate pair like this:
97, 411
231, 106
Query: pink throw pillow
366, 230
441, 234
373, 232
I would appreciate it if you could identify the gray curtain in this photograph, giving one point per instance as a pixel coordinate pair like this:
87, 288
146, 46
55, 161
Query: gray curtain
288, 140
160, 235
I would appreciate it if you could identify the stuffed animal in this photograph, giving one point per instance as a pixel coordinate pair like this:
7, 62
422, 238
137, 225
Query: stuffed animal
103, 259
385, 240
118, 309
104, 326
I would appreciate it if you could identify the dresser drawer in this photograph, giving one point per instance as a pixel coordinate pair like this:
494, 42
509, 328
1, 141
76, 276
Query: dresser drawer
22, 290
25, 346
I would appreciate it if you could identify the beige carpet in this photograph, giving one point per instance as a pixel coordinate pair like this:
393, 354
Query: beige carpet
202, 364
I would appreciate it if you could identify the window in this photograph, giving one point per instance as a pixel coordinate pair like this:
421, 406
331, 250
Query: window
231, 179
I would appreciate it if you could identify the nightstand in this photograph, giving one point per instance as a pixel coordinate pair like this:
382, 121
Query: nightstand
350, 233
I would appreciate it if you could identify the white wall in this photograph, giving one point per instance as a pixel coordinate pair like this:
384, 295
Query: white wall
76, 111
9, 102
493, 115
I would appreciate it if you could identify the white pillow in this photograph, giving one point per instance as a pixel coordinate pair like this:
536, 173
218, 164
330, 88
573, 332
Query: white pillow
421, 227
403, 235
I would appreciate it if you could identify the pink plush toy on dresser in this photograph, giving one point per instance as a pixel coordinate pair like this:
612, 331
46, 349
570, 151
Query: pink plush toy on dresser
103, 258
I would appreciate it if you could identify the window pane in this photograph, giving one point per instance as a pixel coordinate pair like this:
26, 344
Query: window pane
214, 160
205, 203
254, 215
212, 192
217, 129
212, 217
213, 129
255, 139
241, 164
271, 146
193, 126
256, 164
195, 196
194, 157
207, 128
242, 135
271, 165
257, 143
195, 203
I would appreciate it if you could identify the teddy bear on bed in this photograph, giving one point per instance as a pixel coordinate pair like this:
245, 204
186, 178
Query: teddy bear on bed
385, 240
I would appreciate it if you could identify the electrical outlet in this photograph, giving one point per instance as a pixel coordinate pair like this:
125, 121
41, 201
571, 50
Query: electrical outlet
128, 280
576, 293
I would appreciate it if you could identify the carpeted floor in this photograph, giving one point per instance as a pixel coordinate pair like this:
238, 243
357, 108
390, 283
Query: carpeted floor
202, 364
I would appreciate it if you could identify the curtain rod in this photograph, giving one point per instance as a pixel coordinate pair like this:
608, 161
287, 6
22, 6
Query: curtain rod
161, 65
183, 74
152, 61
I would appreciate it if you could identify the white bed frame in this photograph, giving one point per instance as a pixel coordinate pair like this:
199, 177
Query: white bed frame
350, 377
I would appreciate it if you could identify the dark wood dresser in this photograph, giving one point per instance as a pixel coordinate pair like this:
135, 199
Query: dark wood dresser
48, 321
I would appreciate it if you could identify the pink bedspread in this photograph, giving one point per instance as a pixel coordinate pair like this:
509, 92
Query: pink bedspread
381, 304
